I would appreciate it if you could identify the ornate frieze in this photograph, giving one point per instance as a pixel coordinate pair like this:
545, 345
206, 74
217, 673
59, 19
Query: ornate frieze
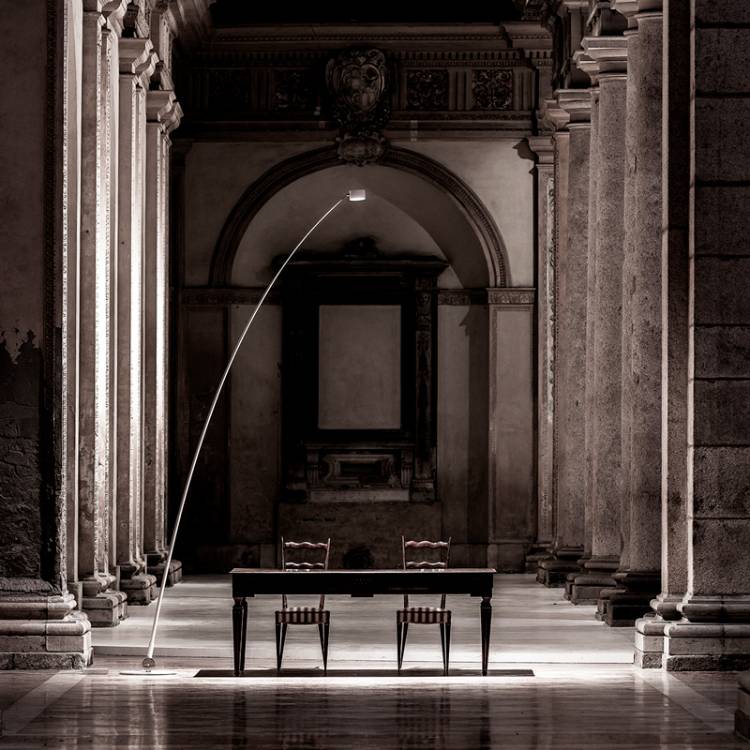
492, 89
482, 78
294, 91
230, 89
427, 89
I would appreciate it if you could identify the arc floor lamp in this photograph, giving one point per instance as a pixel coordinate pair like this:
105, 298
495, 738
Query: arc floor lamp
149, 663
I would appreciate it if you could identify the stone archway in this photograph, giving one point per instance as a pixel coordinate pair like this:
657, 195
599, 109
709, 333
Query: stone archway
465, 203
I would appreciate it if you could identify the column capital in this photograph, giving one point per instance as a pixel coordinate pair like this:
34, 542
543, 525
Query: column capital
158, 103
173, 118
577, 103
627, 9
163, 108
610, 53
137, 58
554, 114
114, 12
544, 149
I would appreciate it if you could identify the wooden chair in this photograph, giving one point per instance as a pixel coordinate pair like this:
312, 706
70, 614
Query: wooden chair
306, 554
424, 615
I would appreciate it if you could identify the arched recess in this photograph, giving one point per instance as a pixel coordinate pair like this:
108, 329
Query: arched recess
468, 204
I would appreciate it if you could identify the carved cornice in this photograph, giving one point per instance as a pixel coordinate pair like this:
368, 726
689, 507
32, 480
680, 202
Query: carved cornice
512, 297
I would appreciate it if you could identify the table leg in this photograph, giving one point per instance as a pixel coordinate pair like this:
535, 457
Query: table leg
486, 617
243, 642
238, 632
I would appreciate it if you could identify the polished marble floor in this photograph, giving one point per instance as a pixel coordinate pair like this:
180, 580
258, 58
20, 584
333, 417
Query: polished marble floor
558, 679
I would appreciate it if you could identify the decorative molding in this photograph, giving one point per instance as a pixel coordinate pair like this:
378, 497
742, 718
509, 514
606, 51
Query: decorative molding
492, 89
208, 296
427, 89
518, 297
284, 173
544, 148
461, 297
294, 91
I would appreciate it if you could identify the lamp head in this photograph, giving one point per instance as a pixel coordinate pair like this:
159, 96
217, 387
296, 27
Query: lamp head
356, 196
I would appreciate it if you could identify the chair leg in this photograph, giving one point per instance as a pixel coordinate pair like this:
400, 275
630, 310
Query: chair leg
399, 628
280, 638
402, 644
323, 629
445, 640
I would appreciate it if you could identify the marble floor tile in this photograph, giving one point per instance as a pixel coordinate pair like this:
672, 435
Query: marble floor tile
558, 679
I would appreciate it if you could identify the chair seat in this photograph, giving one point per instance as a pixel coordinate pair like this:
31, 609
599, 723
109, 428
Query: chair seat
303, 616
424, 616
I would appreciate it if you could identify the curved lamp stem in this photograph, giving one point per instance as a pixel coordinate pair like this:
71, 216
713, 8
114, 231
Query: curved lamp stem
149, 662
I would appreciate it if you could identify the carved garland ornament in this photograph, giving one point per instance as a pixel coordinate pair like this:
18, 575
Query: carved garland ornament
357, 81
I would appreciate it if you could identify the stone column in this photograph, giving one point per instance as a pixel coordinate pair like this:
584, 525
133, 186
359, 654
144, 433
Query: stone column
639, 575
714, 632
136, 65
603, 423
39, 627
675, 280
163, 114
588, 503
543, 148
574, 108
94, 340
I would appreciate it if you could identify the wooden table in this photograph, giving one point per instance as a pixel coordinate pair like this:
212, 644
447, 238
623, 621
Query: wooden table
247, 582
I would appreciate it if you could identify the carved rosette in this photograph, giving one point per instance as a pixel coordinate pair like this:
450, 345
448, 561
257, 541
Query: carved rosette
427, 90
357, 82
492, 89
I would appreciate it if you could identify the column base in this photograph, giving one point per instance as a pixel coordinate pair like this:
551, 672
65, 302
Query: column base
174, 575
714, 635
742, 715
563, 560
649, 641
649, 631
107, 609
535, 555
43, 632
140, 588
554, 572
586, 587
622, 606
571, 577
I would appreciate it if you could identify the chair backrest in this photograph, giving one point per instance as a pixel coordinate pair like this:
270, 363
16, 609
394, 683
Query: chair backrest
305, 556
425, 555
